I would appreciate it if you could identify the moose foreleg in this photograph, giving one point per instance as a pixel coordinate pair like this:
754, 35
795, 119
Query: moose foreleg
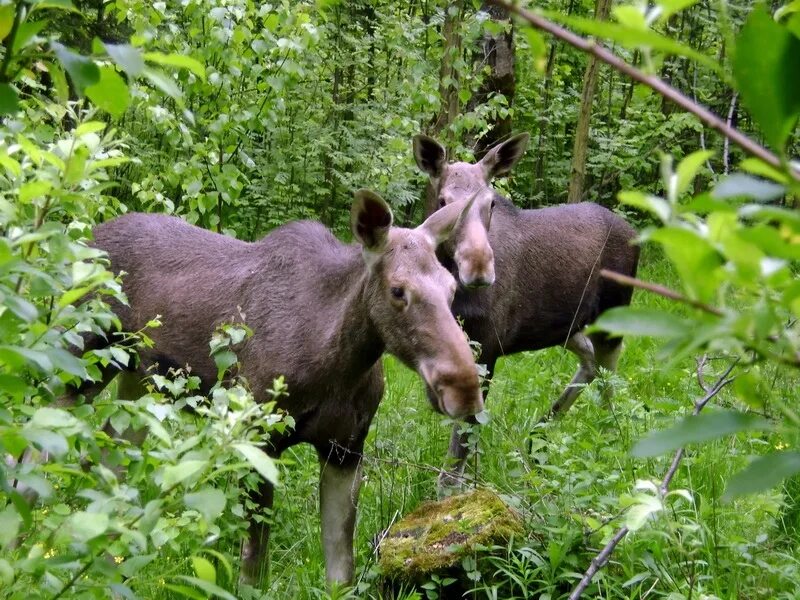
451, 479
255, 549
338, 497
587, 371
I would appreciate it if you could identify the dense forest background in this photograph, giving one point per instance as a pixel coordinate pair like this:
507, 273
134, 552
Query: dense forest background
239, 117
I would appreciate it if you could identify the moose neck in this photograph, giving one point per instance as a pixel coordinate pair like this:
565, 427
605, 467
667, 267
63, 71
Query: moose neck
349, 341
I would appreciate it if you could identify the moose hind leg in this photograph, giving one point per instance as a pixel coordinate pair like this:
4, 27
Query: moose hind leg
254, 552
582, 346
338, 497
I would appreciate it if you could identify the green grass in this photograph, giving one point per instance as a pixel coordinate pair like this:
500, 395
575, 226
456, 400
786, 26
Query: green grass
570, 489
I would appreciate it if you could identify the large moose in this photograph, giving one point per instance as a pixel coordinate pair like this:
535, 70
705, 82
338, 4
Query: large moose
322, 313
530, 279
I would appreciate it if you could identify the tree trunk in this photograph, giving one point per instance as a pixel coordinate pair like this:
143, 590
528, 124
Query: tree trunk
448, 74
496, 51
578, 170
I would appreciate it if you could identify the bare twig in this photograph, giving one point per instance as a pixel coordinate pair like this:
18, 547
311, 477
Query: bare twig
599, 561
660, 290
663, 88
725, 143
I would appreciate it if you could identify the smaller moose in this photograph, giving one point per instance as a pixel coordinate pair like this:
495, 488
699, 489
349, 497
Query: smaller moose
543, 267
322, 313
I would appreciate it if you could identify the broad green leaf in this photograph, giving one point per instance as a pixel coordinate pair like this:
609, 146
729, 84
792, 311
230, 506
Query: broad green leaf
670, 7
9, 101
17, 356
57, 4
59, 82
179, 473
84, 526
204, 569
695, 259
47, 441
13, 386
22, 308
209, 502
209, 588
763, 473
223, 560
739, 184
765, 65
787, 9
635, 38
640, 321
186, 591
630, 16
639, 513
6, 20
26, 33
82, 70
9, 525
177, 60
133, 565
110, 93
538, 48
34, 189
699, 428
127, 57
260, 461
653, 204
163, 82
688, 168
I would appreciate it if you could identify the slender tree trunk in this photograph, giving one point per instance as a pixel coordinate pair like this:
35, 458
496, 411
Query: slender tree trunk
580, 147
448, 74
496, 51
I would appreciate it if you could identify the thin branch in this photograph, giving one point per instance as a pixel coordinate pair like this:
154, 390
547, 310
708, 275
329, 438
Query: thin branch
599, 561
663, 88
660, 290
726, 143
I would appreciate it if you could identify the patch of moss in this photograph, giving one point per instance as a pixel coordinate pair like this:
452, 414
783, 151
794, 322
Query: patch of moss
438, 535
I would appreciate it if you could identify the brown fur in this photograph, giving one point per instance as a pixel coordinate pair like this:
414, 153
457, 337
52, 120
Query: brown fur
322, 313
544, 265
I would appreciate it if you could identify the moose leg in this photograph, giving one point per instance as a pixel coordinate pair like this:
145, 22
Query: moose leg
254, 554
582, 346
607, 351
338, 497
451, 479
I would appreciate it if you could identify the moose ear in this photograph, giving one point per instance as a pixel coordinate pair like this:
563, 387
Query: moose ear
429, 154
441, 224
370, 219
500, 159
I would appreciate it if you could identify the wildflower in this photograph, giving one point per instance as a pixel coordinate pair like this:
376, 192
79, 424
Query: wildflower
118, 559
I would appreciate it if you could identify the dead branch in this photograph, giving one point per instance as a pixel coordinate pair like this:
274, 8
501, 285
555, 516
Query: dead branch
660, 290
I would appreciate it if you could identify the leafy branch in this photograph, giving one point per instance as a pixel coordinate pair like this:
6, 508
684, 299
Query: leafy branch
655, 83
599, 561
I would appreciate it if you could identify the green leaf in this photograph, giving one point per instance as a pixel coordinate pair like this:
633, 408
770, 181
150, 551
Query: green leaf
688, 168
59, 82
163, 82
695, 259
58, 4
787, 9
739, 184
7, 13
700, 428
653, 204
84, 526
259, 460
763, 473
538, 48
765, 65
110, 93
133, 565
209, 502
9, 101
82, 70
670, 7
127, 57
177, 60
26, 33
175, 474
209, 588
639, 321
9, 525
186, 591
204, 569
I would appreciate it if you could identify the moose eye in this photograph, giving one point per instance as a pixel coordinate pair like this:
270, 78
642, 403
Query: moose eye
397, 293
492, 205
442, 202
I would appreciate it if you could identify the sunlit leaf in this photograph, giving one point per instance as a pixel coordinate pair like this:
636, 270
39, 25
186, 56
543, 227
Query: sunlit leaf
9, 101
127, 57
204, 569
177, 60
739, 184
82, 70
641, 321
260, 460
110, 93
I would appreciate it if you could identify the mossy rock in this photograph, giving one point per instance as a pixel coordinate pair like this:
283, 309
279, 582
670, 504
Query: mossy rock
438, 535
